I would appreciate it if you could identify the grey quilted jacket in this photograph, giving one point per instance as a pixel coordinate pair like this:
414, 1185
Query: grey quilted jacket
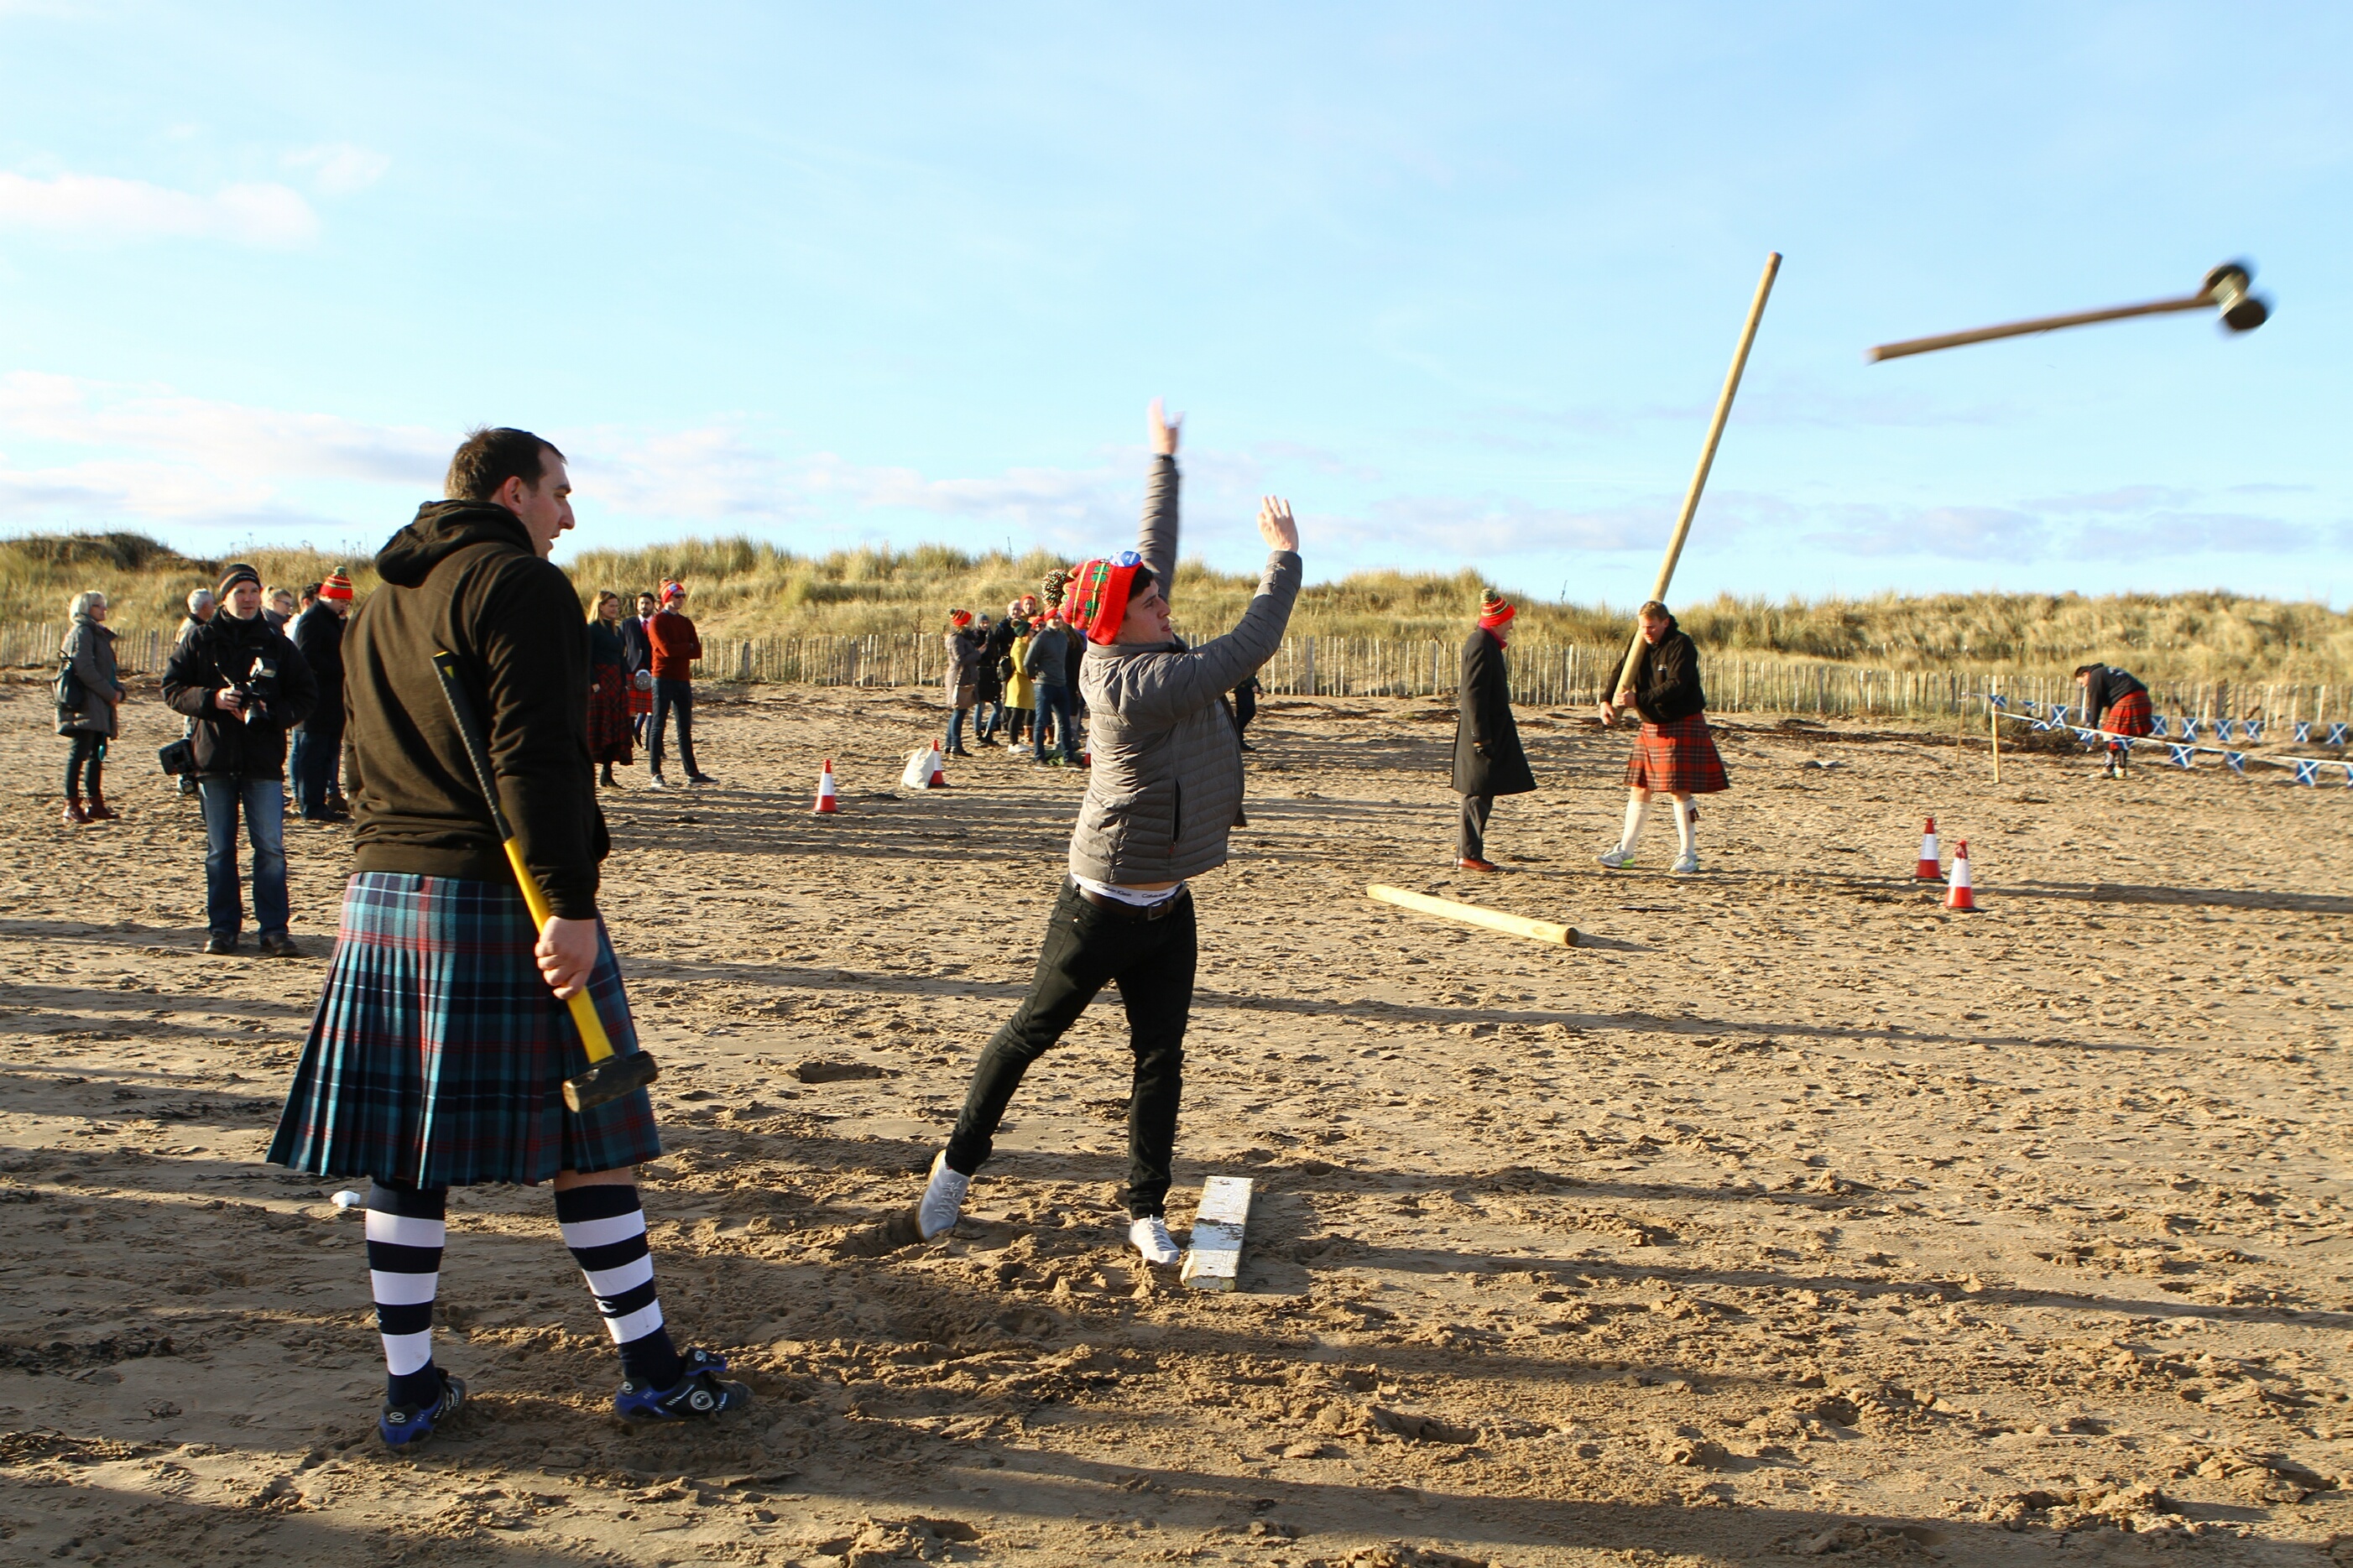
1167, 782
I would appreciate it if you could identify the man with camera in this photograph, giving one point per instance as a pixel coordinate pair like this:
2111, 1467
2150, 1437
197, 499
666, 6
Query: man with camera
245, 686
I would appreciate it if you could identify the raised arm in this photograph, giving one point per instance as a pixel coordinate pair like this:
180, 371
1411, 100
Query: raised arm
1164, 685
1157, 538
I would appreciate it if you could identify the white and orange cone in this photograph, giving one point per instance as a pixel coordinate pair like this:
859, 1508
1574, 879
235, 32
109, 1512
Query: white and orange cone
939, 767
1929, 870
1958, 894
825, 805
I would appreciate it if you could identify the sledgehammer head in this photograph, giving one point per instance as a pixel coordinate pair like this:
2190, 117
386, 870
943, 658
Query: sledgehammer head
2227, 286
609, 1080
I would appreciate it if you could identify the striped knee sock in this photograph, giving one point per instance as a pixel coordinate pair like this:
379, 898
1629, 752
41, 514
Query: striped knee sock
405, 1230
605, 1229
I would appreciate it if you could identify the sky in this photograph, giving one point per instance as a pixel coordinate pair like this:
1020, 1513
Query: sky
1461, 281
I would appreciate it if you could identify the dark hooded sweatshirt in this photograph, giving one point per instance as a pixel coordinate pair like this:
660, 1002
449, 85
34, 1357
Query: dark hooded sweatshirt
464, 577
1666, 678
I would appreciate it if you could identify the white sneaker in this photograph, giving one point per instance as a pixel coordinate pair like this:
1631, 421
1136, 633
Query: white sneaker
1614, 859
1151, 1238
656, 783
1685, 863
942, 1202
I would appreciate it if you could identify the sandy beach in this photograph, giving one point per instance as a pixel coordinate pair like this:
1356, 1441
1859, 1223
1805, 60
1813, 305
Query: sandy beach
1788, 1215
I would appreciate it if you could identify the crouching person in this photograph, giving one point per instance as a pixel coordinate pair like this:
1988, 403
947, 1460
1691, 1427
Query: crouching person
438, 1054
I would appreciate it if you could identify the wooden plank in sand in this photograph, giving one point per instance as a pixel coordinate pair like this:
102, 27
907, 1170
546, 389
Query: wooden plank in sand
1472, 914
1215, 1259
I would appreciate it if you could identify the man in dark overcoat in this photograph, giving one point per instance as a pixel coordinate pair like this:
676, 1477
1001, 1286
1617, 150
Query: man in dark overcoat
1488, 761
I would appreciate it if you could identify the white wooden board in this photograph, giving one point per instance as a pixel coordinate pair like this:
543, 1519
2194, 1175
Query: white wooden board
1214, 1261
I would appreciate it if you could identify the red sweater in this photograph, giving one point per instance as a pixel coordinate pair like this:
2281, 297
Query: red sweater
676, 648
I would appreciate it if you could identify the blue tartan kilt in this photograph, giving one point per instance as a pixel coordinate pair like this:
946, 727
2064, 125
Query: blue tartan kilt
438, 1056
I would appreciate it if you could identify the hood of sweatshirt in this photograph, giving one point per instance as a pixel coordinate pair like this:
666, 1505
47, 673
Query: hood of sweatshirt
442, 528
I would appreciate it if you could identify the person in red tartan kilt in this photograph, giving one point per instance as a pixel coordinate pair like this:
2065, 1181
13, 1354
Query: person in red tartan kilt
638, 664
2117, 696
1675, 755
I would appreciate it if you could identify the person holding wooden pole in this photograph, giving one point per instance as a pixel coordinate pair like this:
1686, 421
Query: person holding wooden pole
1488, 758
1675, 755
1659, 679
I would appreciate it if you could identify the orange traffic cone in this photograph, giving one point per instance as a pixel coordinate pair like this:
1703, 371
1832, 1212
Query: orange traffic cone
1929, 870
825, 805
939, 768
1959, 895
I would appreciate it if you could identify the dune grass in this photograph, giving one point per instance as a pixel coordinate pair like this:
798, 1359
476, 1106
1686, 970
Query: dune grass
743, 587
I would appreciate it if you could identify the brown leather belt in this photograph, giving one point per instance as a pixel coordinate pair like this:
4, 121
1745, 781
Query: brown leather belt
1160, 910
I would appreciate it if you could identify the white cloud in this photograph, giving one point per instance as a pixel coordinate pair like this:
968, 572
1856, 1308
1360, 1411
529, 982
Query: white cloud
100, 206
2130, 523
218, 438
339, 168
130, 455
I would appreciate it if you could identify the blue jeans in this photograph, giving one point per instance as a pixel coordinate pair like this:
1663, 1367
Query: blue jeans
263, 801
673, 697
1054, 702
315, 761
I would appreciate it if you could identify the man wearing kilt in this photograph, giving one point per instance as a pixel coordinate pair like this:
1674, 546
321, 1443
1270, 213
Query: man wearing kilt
637, 663
1674, 754
2119, 696
438, 1054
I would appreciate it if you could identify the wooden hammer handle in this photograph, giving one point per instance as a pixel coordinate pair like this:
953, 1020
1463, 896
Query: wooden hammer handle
2200, 301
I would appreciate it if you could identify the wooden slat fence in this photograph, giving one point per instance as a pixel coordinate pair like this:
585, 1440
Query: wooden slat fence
1543, 674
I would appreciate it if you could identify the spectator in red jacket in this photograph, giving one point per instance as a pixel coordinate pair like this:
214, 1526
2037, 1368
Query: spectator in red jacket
676, 648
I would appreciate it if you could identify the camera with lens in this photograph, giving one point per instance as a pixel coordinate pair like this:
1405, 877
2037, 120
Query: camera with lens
259, 689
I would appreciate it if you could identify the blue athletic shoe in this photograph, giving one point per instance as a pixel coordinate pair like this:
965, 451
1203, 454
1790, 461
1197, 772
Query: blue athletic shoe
700, 1396
405, 1424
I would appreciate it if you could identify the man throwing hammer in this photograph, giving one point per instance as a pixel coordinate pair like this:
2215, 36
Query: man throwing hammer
438, 1054
1165, 790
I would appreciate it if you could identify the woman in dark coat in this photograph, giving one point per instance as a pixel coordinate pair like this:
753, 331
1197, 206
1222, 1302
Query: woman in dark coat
1488, 761
609, 689
1675, 755
89, 723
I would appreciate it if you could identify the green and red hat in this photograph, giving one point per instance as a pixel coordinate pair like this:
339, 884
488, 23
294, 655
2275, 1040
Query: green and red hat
1095, 599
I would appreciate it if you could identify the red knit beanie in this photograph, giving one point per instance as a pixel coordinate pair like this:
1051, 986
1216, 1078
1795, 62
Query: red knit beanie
1095, 601
959, 619
1495, 613
337, 586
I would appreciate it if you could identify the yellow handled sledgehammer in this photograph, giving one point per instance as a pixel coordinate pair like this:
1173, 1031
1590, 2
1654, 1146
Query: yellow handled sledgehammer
609, 1075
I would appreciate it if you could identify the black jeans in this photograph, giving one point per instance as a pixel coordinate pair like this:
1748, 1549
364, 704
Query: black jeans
1085, 947
86, 760
1473, 840
672, 696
